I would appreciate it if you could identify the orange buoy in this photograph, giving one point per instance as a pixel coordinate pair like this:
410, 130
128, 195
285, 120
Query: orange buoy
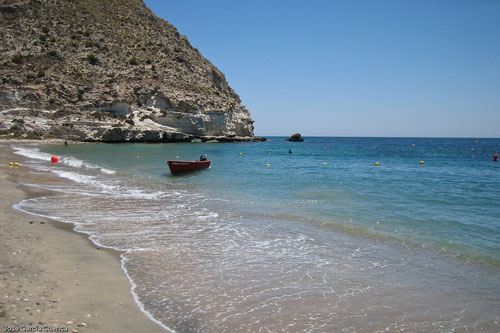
495, 158
54, 159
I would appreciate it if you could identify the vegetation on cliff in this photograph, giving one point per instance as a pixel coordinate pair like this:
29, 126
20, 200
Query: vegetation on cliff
70, 61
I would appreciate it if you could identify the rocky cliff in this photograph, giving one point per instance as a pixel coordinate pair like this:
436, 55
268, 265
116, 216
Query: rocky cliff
109, 71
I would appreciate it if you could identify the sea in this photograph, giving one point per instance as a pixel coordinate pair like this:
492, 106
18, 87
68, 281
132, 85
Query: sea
284, 236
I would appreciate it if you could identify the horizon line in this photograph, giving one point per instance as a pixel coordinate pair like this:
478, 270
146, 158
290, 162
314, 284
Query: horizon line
399, 137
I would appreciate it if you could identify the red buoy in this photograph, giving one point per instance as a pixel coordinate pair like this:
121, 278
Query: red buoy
495, 158
54, 159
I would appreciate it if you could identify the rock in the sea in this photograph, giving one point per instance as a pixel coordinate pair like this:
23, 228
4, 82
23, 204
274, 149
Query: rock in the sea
295, 138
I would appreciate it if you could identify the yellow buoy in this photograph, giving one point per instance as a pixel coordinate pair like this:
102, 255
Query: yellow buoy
177, 156
241, 154
377, 163
324, 163
16, 164
268, 165
421, 162
11, 163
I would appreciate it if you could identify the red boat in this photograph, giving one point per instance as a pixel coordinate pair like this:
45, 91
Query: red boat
182, 166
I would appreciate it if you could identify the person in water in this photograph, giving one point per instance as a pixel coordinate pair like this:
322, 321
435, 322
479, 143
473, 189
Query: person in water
203, 157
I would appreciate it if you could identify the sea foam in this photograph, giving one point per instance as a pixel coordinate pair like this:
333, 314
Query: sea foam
35, 153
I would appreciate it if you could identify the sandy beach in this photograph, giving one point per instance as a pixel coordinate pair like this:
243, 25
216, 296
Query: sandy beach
53, 279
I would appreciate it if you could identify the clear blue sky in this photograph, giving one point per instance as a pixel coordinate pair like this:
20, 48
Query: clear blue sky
353, 67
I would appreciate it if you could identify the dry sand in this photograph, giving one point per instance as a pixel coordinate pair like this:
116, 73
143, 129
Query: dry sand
53, 278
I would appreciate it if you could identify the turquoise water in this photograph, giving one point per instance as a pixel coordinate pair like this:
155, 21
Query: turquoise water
345, 245
450, 202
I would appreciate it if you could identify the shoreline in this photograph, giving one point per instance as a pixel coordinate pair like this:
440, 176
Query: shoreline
54, 278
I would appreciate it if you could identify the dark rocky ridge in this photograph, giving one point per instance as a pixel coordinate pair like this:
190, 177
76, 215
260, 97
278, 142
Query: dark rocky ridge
109, 71
297, 137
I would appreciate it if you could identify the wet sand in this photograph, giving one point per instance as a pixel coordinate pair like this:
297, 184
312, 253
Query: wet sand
53, 279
